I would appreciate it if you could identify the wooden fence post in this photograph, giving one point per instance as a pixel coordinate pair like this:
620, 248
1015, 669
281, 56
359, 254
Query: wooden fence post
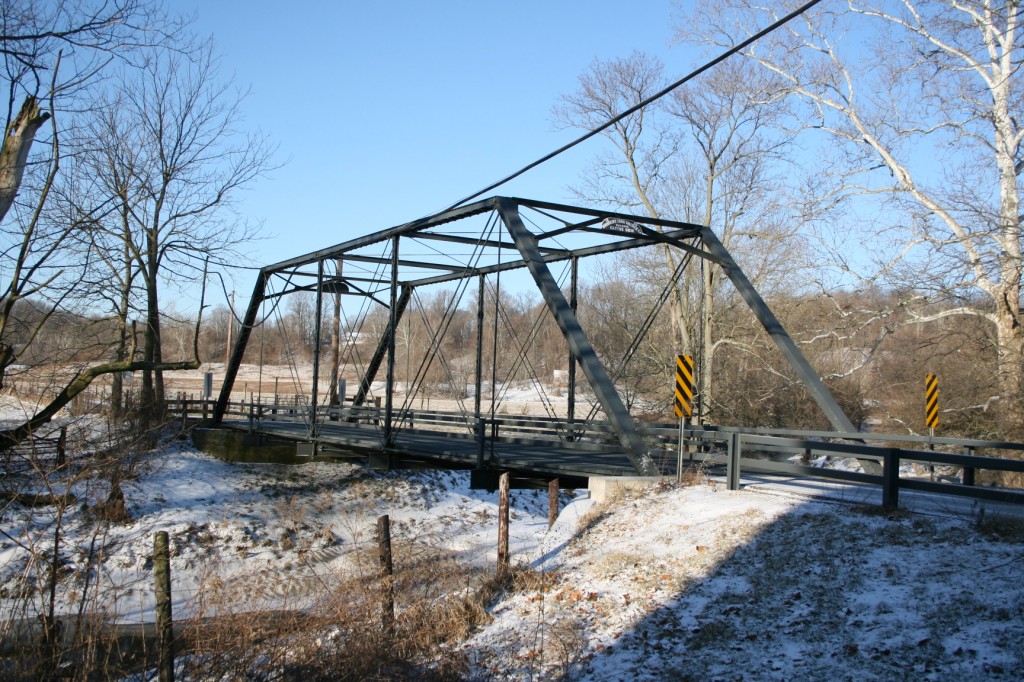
387, 574
552, 502
503, 486
164, 624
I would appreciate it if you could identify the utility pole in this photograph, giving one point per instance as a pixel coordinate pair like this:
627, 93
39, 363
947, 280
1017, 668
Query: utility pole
231, 324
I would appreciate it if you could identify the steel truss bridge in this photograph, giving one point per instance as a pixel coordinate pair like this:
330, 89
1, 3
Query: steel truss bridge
493, 237
478, 244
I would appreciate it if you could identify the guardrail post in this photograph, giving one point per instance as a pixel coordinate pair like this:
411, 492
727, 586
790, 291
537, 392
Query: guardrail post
891, 478
967, 477
733, 466
481, 428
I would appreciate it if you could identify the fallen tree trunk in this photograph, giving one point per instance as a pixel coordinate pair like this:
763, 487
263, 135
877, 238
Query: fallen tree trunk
36, 499
79, 383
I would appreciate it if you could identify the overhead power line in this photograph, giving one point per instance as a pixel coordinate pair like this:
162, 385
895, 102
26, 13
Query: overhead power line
640, 105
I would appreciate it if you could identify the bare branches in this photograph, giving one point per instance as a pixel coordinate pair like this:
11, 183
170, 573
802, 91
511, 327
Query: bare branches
924, 101
146, 180
100, 30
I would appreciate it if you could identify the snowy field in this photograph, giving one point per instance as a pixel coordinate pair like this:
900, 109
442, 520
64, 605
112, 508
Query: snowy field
673, 582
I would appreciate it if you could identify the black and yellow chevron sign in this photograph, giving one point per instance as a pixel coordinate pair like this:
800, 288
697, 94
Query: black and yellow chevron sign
931, 401
684, 386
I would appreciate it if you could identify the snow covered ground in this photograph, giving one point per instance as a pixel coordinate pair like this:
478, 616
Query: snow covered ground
668, 583
705, 584
275, 529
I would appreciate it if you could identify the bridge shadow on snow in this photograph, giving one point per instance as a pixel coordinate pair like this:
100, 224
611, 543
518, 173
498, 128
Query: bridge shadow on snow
819, 590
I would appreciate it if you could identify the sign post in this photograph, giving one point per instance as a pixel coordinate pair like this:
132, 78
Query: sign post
931, 403
683, 404
931, 412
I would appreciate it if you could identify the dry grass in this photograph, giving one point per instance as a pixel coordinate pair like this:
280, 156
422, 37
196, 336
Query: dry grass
694, 474
889, 514
553, 640
999, 526
343, 635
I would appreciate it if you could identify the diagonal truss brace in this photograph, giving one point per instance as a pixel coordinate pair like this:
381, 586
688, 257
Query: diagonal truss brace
782, 339
579, 344
382, 347
248, 323
833, 412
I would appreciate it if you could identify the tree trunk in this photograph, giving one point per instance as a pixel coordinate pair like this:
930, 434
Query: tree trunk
14, 154
1008, 313
17, 143
78, 384
153, 383
117, 398
1011, 365
705, 377
705, 383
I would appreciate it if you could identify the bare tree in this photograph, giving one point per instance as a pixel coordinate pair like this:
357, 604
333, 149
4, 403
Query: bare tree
166, 174
51, 52
82, 35
729, 177
900, 84
710, 155
614, 310
109, 171
630, 177
172, 161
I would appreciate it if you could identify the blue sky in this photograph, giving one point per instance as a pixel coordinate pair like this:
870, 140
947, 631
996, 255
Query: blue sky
385, 112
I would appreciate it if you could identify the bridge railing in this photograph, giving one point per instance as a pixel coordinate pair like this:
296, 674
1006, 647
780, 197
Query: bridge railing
524, 429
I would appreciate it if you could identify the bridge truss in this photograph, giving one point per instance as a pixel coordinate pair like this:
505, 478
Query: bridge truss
483, 240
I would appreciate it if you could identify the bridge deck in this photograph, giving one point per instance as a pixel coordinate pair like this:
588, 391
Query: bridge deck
536, 448
529, 455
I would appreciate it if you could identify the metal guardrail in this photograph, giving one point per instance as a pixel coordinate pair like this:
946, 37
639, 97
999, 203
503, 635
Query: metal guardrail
736, 442
733, 446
